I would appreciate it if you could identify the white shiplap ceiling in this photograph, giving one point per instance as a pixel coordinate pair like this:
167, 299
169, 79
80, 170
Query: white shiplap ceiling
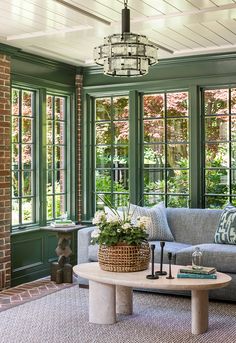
68, 30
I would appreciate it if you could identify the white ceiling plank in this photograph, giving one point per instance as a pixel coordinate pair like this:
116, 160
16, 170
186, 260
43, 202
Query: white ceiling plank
181, 5
229, 24
162, 6
222, 2
205, 32
196, 37
221, 31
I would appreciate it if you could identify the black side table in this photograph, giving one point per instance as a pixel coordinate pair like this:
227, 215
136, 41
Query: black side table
61, 271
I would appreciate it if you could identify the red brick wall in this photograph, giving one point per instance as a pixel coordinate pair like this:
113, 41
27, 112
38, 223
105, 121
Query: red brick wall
5, 167
79, 86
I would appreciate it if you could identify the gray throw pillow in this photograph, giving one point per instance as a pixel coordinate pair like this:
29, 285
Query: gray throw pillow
158, 229
226, 231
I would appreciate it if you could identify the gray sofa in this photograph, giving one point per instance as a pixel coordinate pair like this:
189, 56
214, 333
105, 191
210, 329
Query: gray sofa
190, 228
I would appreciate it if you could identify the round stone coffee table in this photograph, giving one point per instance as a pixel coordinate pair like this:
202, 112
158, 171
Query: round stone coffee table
111, 293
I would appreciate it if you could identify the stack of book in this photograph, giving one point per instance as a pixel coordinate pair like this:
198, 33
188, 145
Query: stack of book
63, 223
203, 273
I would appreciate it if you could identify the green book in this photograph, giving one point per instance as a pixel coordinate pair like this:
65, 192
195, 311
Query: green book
196, 276
203, 270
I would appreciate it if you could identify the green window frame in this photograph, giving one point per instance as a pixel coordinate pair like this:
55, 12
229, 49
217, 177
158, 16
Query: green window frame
23, 149
111, 150
51, 159
165, 148
219, 146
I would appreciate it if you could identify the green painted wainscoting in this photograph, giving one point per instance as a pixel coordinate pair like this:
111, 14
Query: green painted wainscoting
32, 253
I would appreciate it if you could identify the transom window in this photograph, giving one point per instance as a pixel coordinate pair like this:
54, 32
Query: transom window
165, 149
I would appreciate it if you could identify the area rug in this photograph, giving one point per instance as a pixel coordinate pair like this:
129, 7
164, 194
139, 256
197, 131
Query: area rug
62, 317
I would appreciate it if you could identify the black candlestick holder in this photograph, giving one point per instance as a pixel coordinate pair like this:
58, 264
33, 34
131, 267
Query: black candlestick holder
170, 258
161, 272
152, 276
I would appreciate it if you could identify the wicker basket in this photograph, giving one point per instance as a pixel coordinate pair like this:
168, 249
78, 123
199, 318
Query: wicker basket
124, 258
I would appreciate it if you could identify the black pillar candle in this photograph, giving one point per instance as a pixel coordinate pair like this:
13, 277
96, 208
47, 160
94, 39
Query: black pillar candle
169, 258
152, 276
160, 272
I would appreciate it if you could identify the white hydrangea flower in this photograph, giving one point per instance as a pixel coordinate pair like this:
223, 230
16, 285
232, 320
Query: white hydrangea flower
98, 217
126, 226
143, 222
113, 219
96, 232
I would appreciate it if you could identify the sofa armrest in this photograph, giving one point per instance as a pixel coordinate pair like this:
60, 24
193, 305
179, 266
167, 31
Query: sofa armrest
84, 240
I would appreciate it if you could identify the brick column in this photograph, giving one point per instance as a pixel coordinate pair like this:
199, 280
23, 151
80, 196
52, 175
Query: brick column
5, 172
79, 86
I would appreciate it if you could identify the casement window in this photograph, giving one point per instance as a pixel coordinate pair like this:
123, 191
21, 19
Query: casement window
23, 156
219, 122
165, 147
111, 132
40, 162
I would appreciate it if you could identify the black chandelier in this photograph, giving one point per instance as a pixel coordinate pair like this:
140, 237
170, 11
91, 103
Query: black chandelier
126, 54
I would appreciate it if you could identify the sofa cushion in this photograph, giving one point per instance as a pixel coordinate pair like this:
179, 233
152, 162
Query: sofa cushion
193, 225
226, 230
220, 256
93, 253
158, 229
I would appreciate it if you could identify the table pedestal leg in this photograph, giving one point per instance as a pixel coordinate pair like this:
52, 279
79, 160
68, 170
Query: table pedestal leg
124, 300
199, 304
102, 303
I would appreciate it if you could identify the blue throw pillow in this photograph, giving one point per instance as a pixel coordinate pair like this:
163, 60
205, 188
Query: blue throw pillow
226, 231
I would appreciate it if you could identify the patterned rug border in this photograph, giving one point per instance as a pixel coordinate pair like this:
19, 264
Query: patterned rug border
22, 302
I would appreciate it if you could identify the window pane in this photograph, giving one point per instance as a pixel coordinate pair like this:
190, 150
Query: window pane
15, 129
217, 181
50, 207
15, 156
178, 181
27, 103
101, 199
233, 181
49, 157
49, 132
103, 109
154, 181
121, 107
216, 202
15, 212
121, 133
49, 107
217, 155
50, 182
177, 155
152, 199
27, 162
177, 201
60, 181
177, 130
153, 105
103, 133
103, 157
154, 155
216, 101
233, 155
120, 157
27, 215
60, 205
103, 180
120, 200
217, 128
15, 184
27, 184
27, 130
120, 180
60, 157
15, 102
154, 130
59, 132
177, 104
60, 108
